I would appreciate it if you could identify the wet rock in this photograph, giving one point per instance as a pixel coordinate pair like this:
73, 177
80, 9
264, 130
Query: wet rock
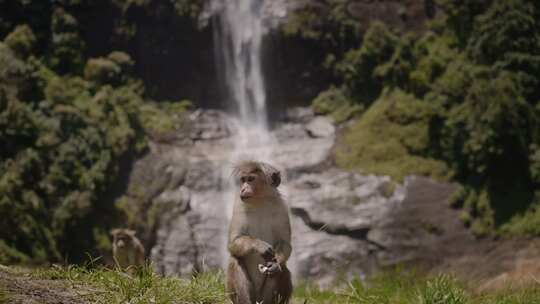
297, 150
298, 115
320, 126
209, 124
343, 222
175, 252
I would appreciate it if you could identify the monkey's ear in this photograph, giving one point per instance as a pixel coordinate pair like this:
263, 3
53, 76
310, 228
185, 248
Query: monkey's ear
276, 179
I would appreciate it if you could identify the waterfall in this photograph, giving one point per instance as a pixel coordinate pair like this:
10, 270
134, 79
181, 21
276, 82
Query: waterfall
239, 28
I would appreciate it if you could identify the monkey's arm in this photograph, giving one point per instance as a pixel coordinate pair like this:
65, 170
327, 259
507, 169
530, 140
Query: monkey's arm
282, 251
242, 244
282, 246
139, 249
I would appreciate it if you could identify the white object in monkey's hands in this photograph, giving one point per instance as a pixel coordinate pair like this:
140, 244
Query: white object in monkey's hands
269, 268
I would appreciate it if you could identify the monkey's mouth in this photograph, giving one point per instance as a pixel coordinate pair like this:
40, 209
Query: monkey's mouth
245, 197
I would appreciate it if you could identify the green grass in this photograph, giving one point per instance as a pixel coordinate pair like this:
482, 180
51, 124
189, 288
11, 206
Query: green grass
392, 287
398, 287
3, 297
524, 296
143, 287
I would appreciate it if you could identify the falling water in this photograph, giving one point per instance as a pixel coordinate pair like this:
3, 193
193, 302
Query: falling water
238, 32
239, 27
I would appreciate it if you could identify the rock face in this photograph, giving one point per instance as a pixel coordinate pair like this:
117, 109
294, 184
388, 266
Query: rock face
344, 224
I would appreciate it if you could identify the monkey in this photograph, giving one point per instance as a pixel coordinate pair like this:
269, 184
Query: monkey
128, 250
259, 240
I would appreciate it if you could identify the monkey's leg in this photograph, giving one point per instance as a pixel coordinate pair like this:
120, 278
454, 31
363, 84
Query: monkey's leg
283, 287
238, 284
278, 288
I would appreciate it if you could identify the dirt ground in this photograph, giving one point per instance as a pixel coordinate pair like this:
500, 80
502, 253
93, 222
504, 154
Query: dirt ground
17, 286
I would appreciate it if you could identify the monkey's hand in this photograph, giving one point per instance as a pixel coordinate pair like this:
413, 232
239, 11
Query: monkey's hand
270, 268
265, 250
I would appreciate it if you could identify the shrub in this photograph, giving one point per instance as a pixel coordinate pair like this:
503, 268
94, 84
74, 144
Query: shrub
21, 40
334, 103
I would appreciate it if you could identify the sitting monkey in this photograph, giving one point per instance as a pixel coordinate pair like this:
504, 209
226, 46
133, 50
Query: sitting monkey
127, 249
259, 238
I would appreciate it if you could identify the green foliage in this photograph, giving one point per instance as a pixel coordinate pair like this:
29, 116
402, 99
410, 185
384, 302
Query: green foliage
441, 290
102, 285
145, 287
191, 8
11, 254
326, 22
334, 103
505, 37
65, 141
13, 74
510, 296
460, 100
486, 138
114, 70
491, 121
164, 119
459, 17
402, 121
21, 40
66, 45
432, 55
358, 68
3, 297
394, 286
400, 287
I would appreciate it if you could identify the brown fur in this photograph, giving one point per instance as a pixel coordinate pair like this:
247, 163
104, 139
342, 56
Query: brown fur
259, 233
128, 250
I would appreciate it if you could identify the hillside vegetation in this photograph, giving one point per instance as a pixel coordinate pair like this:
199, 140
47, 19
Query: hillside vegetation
70, 125
457, 101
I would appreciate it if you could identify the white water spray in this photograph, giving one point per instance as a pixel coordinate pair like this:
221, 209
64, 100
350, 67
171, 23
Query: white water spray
238, 34
239, 27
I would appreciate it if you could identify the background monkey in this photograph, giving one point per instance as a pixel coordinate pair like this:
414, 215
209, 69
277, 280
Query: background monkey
259, 238
127, 249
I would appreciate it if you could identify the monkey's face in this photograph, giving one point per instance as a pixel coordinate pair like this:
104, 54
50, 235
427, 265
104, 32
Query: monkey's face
122, 238
250, 186
257, 180
122, 241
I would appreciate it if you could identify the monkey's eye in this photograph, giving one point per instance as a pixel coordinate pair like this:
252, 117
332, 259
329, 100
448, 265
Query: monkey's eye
250, 178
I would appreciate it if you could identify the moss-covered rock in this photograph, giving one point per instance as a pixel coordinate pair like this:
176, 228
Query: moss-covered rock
392, 138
